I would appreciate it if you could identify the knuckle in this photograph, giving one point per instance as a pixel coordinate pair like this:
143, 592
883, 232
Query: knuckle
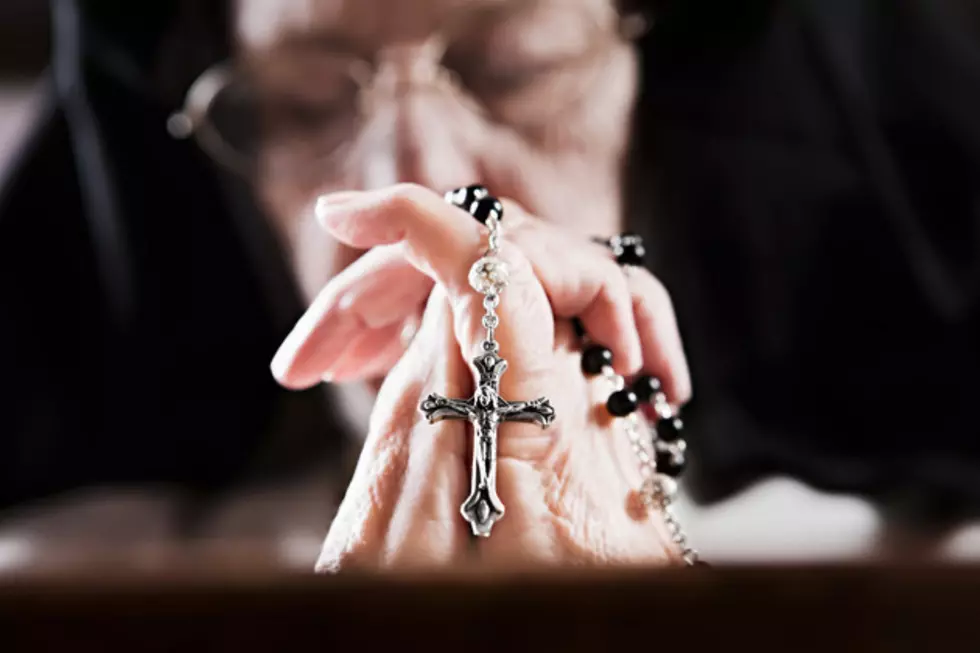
650, 290
517, 218
407, 198
524, 296
614, 282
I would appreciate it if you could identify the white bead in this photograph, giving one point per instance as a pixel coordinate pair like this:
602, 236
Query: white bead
489, 274
666, 486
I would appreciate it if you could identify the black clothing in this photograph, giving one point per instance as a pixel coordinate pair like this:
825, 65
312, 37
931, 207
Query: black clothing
815, 168
141, 297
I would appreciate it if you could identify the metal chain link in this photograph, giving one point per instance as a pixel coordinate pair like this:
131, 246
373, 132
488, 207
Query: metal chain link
656, 490
490, 319
496, 233
491, 297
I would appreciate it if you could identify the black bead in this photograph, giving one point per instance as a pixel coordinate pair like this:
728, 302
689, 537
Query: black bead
484, 207
578, 327
646, 387
669, 430
631, 253
670, 465
594, 358
465, 197
621, 403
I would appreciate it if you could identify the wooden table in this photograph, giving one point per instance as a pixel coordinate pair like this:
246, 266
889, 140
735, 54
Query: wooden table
752, 609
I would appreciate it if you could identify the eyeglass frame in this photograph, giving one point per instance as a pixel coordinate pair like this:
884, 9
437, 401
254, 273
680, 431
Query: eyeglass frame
192, 119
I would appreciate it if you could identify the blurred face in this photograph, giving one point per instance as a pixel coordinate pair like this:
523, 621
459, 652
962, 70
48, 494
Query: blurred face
531, 98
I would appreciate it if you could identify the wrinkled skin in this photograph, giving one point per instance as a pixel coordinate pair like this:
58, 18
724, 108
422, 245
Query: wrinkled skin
531, 98
568, 490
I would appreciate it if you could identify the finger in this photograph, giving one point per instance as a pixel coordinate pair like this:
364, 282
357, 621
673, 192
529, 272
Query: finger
376, 291
663, 351
367, 354
436, 238
356, 537
660, 349
443, 242
426, 528
580, 282
378, 366
359, 534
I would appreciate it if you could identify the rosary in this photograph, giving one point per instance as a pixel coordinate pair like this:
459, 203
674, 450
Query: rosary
660, 452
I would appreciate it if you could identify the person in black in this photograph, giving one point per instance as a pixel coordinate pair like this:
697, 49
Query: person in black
805, 175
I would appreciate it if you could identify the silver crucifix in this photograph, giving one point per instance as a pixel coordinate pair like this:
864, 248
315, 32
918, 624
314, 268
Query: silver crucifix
486, 410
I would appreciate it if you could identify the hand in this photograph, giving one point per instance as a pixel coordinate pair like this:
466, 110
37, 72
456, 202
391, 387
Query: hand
566, 489
355, 328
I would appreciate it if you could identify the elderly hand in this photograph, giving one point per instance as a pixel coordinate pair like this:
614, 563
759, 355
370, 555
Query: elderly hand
568, 489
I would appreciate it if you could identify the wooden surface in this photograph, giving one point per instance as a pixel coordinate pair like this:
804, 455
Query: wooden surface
785, 609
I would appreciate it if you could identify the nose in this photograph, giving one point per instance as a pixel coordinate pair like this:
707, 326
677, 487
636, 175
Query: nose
420, 132
433, 143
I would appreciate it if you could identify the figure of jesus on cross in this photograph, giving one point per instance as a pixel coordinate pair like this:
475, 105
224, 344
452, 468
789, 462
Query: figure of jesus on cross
485, 411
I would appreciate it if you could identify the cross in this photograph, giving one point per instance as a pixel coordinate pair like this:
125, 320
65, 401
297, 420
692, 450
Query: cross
486, 410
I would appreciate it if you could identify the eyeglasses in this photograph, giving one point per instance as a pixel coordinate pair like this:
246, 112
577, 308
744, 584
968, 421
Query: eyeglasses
523, 68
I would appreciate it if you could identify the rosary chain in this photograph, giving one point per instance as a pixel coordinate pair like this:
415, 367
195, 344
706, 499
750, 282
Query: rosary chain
657, 490
490, 319
493, 240
491, 296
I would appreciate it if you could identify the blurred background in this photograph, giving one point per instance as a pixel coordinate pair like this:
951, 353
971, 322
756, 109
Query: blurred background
826, 360
24, 51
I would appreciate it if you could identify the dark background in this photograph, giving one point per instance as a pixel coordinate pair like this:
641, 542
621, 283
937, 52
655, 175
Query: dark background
734, 194
24, 37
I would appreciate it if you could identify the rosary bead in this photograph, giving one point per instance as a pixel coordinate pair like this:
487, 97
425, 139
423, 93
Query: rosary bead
621, 403
669, 429
594, 358
669, 464
646, 387
489, 274
664, 487
465, 197
485, 207
631, 253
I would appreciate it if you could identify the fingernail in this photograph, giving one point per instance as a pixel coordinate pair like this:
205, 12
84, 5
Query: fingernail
285, 356
298, 360
327, 203
281, 363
